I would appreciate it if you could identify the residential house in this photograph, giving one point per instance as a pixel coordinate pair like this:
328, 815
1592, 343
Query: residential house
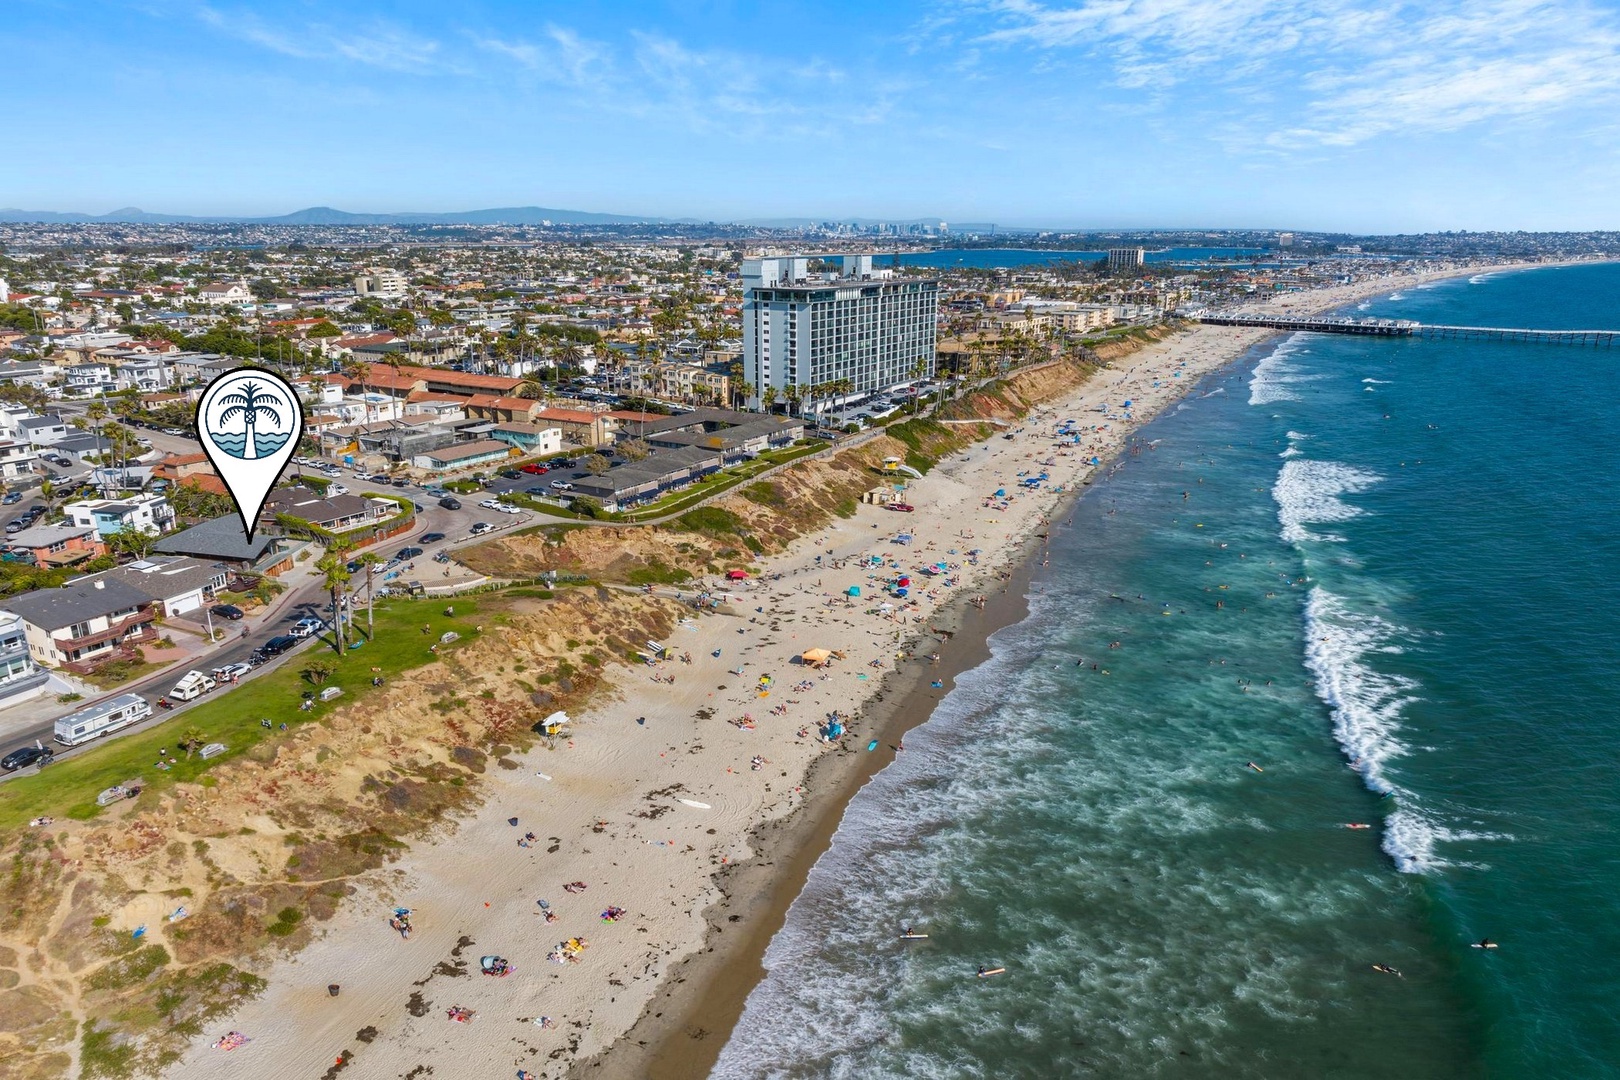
529, 438
91, 378
17, 463
148, 374
493, 407
44, 430
150, 514
340, 513
55, 546
82, 625
465, 456
578, 426
175, 584
19, 675
220, 294
37, 375
222, 540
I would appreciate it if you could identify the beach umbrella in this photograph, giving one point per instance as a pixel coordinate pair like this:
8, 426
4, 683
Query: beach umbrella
854, 590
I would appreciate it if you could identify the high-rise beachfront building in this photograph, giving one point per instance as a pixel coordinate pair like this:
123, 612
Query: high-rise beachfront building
1125, 258
814, 320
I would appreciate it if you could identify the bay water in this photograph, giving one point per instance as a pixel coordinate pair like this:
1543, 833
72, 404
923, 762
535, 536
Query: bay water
1345, 582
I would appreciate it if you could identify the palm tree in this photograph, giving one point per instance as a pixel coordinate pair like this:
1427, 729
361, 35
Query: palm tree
769, 397
192, 739
370, 560
792, 394
334, 575
741, 391
248, 403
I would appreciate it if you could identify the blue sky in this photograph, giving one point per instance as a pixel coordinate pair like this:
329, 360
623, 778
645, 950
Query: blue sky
1330, 114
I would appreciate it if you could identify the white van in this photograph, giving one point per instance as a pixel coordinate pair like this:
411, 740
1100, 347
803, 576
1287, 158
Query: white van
192, 685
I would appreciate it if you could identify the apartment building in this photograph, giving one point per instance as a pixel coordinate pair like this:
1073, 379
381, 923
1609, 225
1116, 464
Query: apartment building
809, 320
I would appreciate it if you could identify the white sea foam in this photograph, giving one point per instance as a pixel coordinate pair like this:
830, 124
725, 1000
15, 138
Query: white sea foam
1292, 451
1274, 375
1377, 382
1307, 492
1300, 435
1397, 296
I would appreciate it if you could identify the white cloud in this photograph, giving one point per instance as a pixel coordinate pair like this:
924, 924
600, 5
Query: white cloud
376, 44
1352, 69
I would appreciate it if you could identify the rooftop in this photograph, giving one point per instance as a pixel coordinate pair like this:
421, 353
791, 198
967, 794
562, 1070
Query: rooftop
75, 602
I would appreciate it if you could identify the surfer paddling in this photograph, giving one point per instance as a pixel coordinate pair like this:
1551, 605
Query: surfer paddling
985, 973
1484, 943
1385, 969
1252, 765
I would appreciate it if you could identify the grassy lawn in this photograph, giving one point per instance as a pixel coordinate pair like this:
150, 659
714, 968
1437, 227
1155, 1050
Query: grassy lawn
69, 787
119, 672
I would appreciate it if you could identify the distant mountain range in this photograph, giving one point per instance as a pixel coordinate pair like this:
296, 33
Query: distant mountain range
507, 215
326, 215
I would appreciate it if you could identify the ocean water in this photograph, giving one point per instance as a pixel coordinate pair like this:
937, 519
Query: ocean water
1382, 572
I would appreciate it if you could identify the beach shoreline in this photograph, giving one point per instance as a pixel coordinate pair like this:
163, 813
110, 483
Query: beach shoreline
654, 805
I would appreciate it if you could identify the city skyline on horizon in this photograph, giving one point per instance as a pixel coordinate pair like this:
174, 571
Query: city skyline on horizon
1331, 116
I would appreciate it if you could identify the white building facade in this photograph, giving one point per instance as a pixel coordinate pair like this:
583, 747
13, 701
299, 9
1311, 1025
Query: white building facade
811, 320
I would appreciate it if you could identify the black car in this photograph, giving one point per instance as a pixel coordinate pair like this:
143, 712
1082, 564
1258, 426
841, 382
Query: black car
408, 553
510, 474
450, 504
402, 482
28, 755
226, 611
536, 490
354, 566
277, 645
431, 538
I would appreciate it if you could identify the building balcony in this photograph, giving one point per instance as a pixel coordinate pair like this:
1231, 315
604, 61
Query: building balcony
136, 628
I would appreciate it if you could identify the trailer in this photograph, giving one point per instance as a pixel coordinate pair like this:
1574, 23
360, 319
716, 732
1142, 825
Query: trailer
102, 719
192, 685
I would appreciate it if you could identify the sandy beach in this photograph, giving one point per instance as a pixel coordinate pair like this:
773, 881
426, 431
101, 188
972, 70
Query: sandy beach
696, 796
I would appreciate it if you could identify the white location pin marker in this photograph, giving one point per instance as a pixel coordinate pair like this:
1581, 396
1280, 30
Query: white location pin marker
249, 424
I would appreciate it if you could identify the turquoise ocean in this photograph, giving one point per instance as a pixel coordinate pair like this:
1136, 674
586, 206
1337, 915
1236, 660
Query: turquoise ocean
1384, 572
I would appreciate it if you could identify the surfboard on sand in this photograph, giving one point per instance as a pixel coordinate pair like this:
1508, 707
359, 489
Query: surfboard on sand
696, 804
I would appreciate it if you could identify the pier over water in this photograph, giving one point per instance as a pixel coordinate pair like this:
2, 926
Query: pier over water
1319, 324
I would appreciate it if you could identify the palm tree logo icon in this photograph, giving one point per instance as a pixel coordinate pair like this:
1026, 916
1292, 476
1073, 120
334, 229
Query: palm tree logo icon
257, 406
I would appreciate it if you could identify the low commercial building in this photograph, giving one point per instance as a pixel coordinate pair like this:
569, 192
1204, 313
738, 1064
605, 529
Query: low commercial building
643, 481
82, 625
465, 456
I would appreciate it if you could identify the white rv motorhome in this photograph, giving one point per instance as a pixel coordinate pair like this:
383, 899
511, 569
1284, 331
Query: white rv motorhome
102, 719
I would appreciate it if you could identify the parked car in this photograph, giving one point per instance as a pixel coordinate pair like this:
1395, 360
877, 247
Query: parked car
436, 492
277, 645
15, 527
308, 626
480, 528
231, 672
450, 503
507, 508
534, 470
402, 482
489, 504
537, 490
561, 485
336, 489
12, 497
431, 538
408, 553
226, 611
510, 474
904, 508
26, 756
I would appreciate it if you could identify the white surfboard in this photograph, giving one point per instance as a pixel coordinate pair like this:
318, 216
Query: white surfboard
696, 804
